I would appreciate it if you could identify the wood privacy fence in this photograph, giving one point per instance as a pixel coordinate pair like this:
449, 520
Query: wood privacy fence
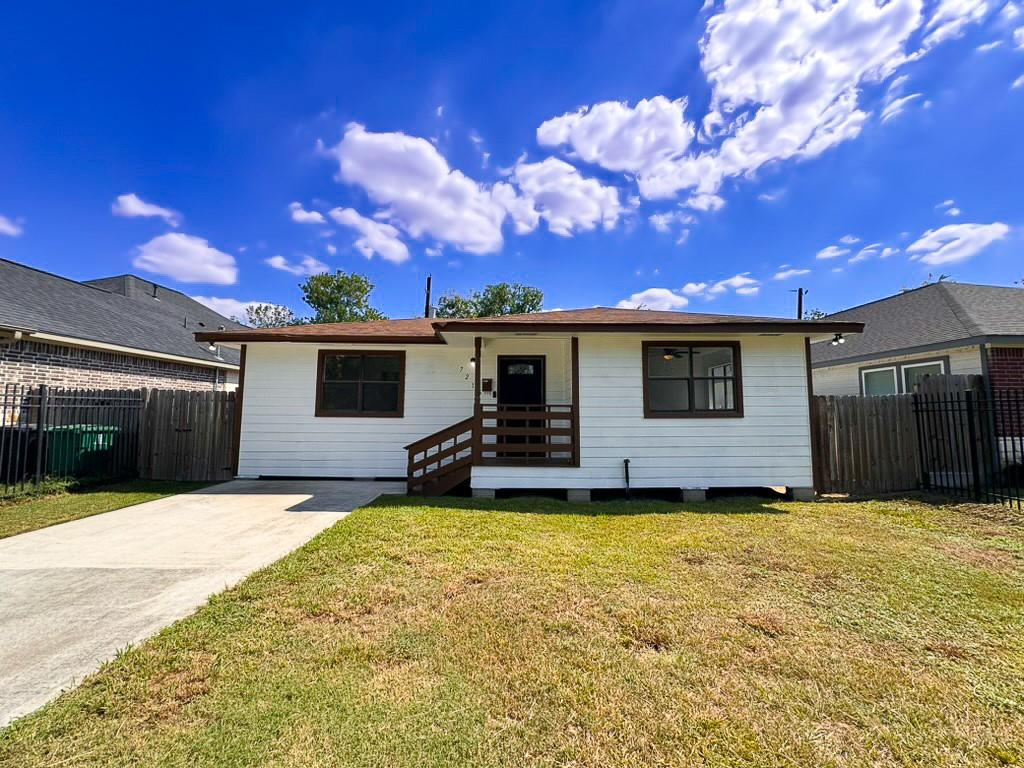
864, 445
186, 435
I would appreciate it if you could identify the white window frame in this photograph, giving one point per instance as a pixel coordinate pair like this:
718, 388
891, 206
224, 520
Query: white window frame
895, 378
903, 371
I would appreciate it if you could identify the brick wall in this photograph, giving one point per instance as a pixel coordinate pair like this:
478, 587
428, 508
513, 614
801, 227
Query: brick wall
1006, 367
31, 362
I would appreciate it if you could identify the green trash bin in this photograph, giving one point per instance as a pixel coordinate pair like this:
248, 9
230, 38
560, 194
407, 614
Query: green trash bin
81, 450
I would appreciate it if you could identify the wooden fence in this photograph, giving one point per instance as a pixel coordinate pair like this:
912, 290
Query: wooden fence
865, 445
186, 435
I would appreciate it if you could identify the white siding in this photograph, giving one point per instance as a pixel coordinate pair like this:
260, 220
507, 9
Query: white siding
845, 379
770, 445
281, 436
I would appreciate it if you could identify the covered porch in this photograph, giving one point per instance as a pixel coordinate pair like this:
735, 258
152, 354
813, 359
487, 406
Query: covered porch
525, 411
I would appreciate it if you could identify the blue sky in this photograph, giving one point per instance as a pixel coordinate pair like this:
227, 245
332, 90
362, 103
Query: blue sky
672, 155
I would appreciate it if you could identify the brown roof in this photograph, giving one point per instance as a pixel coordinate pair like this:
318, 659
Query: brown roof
418, 330
428, 331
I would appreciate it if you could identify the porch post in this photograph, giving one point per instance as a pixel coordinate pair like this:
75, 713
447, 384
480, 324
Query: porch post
478, 421
477, 344
575, 401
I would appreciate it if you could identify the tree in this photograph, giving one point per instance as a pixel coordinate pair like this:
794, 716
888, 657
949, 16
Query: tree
343, 297
815, 314
496, 299
270, 316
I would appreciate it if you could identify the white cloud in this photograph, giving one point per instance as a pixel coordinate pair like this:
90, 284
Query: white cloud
1018, 37
331, 248
302, 216
568, 202
887, 252
895, 107
951, 18
376, 237
694, 289
663, 222
1018, 83
306, 267
831, 252
770, 197
228, 307
785, 274
742, 284
423, 196
654, 298
132, 206
945, 204
10, 228
953, 211
986, 47
187, 259
955, 242
786, 80
704, 202
619, 137
849, 239
865, 253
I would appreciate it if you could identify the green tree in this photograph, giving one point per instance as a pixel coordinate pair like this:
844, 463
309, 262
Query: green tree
343, 297
495, 299
270, 316
815, 314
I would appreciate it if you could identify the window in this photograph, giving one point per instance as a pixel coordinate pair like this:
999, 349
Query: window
360, 383
913, 373
691, 379
881, 381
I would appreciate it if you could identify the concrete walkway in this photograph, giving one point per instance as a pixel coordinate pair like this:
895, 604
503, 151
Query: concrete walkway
74, 594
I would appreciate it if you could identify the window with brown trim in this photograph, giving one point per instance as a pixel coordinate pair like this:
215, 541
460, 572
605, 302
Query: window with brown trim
358, 383
691, 379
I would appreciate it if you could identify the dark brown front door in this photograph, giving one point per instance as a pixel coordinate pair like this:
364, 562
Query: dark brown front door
521, 388
520, 380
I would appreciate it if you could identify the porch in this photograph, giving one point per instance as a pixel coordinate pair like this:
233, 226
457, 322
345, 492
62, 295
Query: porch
525, 414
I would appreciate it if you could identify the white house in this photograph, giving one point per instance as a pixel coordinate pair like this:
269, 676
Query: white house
552, 400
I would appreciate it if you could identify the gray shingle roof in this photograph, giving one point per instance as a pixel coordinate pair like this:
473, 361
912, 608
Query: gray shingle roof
939, 313
120, 310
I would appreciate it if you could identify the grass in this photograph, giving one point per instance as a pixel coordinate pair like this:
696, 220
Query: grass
30, 514
531, 632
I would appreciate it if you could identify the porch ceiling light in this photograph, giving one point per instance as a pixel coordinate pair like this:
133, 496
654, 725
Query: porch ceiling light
472, 362
838, 339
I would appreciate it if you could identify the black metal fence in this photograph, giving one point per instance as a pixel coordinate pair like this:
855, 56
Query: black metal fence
57, 434
971, 444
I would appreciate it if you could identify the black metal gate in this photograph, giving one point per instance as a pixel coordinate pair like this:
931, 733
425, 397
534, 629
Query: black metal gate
57, 434
972, 444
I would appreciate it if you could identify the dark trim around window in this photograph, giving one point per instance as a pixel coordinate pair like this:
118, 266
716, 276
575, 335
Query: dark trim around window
321, 357
737, 378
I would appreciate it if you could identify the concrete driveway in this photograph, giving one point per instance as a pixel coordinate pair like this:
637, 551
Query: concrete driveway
74, 594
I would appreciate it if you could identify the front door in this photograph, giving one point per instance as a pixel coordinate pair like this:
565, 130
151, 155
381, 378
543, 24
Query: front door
521, 388
520, 380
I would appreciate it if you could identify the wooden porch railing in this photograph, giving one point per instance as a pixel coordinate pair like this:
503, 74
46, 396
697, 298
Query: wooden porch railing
509, 436
439, 462
526, 435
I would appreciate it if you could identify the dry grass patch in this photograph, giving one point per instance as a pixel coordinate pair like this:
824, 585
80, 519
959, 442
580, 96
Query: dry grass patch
530, 632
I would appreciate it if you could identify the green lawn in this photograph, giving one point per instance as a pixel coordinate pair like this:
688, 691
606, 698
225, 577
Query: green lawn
455, 633
39, 512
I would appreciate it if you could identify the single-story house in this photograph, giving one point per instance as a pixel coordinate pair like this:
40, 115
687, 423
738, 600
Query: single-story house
940, 328
551, 400
112, 333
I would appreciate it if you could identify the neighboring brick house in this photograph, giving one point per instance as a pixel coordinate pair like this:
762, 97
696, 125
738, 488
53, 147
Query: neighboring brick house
112, 333
940, 328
